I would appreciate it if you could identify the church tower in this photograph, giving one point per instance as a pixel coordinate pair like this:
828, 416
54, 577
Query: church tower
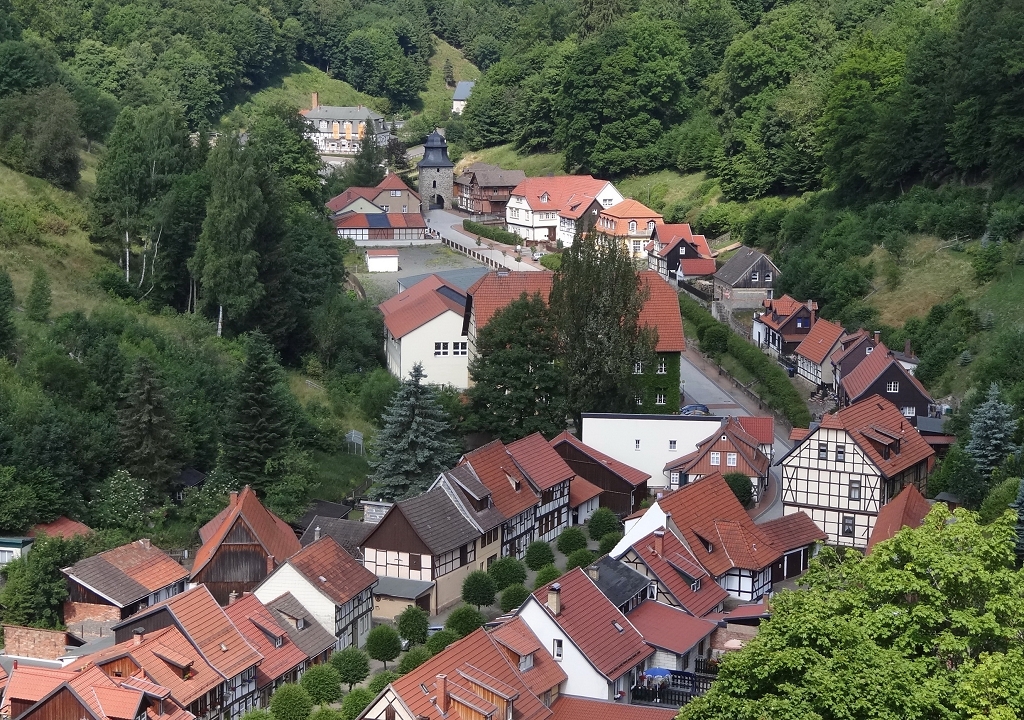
437, 173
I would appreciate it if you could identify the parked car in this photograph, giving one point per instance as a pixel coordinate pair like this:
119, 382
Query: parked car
538, 254
695, 409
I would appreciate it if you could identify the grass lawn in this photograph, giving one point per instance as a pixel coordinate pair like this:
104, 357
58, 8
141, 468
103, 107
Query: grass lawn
337, 473
437, 98
533, 165
661, 189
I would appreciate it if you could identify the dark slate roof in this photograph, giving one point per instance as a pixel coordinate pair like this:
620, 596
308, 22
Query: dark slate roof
347, 533
488, 518
739, 264
463, 90
402, 587
930, 426
462, 278
465, 477
313, 639
324, 509
618, 581
438, 521
189, 477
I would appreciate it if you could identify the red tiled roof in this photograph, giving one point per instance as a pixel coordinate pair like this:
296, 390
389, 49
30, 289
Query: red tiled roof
693, 267
539, 461
908, 509
589, 619
270, 531
127, 573
494, 466
546, 673
798, 434
381, 221
759, 427
819, 342
581, 490
668, 627
418, 305
661, 311
669, 568
254, 621
630, 474
32, 684
331, 570
791, 532
569, 195
753, 610
779, 310
708, 511
865, 418
868, 370
339, 202
749, 459
569, 707
619, 215
61, 527
391, 181
671, 234
381, 252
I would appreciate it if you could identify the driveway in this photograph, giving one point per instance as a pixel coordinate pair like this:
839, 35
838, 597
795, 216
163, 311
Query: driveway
413, 260
449, 225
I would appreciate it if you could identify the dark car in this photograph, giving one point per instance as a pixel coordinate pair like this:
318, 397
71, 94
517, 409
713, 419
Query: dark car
695, 409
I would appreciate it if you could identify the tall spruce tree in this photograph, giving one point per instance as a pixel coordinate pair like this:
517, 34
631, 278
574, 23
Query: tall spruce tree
518, 384
39, 300
258, 428
146, 428
414, 445
8, 333
1018, 505
596, 300
992, 428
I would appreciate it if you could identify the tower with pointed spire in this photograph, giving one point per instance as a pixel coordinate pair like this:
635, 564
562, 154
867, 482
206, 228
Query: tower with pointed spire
437, 173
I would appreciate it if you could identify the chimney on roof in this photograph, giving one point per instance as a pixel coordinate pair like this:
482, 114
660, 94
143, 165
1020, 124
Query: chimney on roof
659, 542
442, 693
139, 634
555, 598
878, 336
232, 597
270, 564
810, 307
316, 533
144, 542
233, 496
594, 572
315, 101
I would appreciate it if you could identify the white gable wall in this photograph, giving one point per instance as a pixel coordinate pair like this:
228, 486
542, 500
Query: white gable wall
418, 347
616, 435
287, 579
640, 528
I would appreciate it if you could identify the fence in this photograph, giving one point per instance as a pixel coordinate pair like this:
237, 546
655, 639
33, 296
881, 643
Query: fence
476, 255
681, 688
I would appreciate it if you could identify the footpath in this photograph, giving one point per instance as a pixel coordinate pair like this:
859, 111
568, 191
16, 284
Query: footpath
447, 226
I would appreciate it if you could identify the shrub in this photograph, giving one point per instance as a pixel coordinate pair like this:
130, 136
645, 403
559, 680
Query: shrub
291, 702
580, 558
571, 540
440, 640
492, 233
464, 619
354, 703
715, 340
381, 680
507, 571
37, 304
548, 573
608, 543
552, 261
413, 659
383, 644
323, 683
513, 596
352, 664
602, 522
413, 624
322, 713
740, 486
998, 500
258, 714
479, 589
539, 554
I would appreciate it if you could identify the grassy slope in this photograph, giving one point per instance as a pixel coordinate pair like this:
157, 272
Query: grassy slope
437, 98
533, 165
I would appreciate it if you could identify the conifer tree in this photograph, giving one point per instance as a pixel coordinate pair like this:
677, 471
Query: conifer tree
414, 445
1018, 505
992, 428
258, 429
449, 72
8, 333
145, 426
38, 302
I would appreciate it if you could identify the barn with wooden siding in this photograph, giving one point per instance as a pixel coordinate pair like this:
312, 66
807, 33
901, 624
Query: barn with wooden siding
623, 488
241, 546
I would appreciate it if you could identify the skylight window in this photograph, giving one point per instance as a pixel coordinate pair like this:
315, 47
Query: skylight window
616, 625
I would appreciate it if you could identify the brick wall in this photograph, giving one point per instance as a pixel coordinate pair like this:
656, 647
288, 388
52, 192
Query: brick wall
732, 631
34, 643
77, 612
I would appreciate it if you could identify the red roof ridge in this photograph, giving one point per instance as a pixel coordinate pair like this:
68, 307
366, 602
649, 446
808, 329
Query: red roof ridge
627, 472
908, 509
818, 343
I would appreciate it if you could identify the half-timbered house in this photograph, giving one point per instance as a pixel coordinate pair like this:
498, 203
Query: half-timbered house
880, 373
623, 487
783, 325
550, 477
814, 352
798, 538
283, 660
730, 449
853, 348
241, 546
844, 471
676, 253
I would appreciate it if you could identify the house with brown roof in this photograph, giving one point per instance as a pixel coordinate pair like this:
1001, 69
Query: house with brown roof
241, 546
483, 189
797, 537
584, 631
189, 645
680, 581
381, 228
906, 510
328, 581
118, 583
762, 429
783, 324
347, 533
428, 544
729, 449
550, 477
312, 638
678, 639
390, 195
632, 221
549, 209
584, 499
622, 487
813, 354
283, 660
746, 280
880, 373
424, 325
853, 348
660, 393
676, 253
843, 472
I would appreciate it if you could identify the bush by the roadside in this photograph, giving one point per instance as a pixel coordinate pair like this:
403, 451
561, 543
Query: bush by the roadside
546, 574
571, 540
602, 522
513, 596
580, 558
608, 542
539, 554
552, 261
492, 233
507, 571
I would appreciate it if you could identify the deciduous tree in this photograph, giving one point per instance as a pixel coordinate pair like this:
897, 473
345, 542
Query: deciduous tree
539, 554
291, 702
383, 644
323, 683
352, 664
479, 589
413, 623
413, 658
463, 620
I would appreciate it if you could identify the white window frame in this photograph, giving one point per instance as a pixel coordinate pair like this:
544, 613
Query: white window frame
659, 397
909, 411
730, 459
637, 446
632, 226
638, 368
662, 366
754, 276
893, 386
460, 348
716, 459
440, 349
671, 444
556, 649
396, 193
768, 277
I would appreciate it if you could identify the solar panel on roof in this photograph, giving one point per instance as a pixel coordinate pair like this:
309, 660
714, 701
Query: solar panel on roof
378, 220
